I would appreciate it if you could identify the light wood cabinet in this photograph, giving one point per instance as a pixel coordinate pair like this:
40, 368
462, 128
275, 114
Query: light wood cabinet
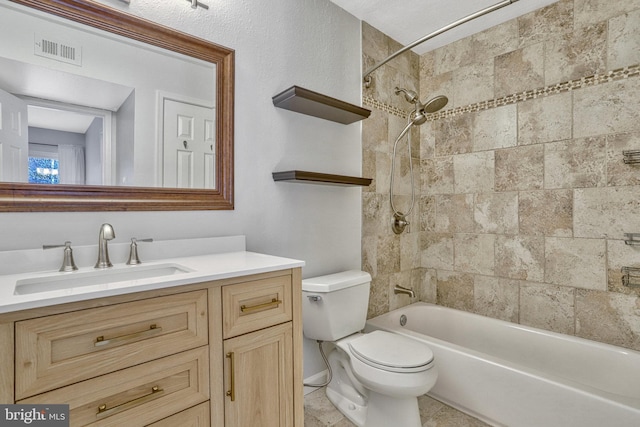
158, 358
258, 328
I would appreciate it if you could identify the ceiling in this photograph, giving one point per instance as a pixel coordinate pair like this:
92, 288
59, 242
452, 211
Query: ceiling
408, 21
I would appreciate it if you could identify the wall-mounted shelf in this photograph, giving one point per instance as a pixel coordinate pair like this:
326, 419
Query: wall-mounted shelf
315, 104
320, 178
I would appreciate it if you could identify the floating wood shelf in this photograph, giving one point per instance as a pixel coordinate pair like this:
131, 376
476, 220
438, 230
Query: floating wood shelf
320, 178
315, 104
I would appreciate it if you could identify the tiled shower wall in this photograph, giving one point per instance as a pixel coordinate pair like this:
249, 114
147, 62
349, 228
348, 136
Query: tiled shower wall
523, 196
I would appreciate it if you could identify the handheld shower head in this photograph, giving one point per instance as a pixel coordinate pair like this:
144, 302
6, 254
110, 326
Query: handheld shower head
436, 103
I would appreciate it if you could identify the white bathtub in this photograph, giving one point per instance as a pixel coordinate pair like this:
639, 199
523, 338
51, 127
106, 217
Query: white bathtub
513, 375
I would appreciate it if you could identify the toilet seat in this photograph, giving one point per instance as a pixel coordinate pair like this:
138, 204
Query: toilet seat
391, 352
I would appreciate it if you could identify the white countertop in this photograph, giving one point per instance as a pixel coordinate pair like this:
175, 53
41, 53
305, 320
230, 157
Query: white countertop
202, 268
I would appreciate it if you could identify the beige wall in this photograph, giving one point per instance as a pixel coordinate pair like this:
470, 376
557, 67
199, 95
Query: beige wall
523, 195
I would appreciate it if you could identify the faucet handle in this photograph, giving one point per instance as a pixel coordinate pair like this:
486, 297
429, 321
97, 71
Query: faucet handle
67, 262
133, 253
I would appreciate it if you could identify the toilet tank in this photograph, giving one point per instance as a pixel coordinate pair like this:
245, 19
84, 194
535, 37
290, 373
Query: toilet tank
335, 306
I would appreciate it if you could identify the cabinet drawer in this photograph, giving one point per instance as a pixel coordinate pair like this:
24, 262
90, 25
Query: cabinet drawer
62, 349
136, 396
198, 416
255, 305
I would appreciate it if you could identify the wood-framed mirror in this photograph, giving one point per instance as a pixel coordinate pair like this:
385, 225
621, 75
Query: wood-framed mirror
28, 197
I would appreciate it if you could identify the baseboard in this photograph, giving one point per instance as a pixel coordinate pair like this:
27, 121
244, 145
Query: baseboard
318, 378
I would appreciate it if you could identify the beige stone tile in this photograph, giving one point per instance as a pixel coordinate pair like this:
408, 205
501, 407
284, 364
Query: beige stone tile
375, 213
541, 24
520, 257
607, 108
374, 43
437, 176
621, 255
495, 128
437, 251
375, 131
379, 295
408, 62
624, 40
588, 12
454, 213
619, 173
370, 254
474, 172
519, 70
580, 263
410, 256
449, 417
454, 135
473, 83
319, 411
546, 212
575, 163
427, 140
608, 317
388, 254
547, 307
455, 290
425, 283
575, 55
383, 172
606, 212
496, 212
520, 168
427, 213
474, 253
428, 407
369, 170
496, 298
495, 41
453, 56
545, 119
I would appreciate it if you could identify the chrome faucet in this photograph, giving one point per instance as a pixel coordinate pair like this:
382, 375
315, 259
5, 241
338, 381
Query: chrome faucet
400, 290
106, 234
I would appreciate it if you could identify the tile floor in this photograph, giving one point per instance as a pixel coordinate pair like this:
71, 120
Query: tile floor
318, 411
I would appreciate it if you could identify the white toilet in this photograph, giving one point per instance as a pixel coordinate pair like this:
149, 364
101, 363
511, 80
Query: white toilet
377, 376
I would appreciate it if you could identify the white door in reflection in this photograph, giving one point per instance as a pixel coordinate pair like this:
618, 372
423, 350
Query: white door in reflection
14, 143
188, 145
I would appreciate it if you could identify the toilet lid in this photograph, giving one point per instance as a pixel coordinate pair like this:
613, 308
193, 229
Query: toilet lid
391, 351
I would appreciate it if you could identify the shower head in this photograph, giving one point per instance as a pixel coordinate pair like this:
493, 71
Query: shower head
409, 95
434, 104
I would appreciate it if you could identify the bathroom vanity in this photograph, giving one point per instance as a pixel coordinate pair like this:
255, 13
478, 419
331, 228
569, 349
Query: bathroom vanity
218, 344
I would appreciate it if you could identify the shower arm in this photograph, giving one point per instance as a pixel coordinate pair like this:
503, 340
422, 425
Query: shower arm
366, 77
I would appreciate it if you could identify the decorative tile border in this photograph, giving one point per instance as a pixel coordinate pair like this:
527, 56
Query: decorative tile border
596, 79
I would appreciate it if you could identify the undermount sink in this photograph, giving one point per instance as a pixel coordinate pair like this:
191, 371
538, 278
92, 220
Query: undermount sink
58, 281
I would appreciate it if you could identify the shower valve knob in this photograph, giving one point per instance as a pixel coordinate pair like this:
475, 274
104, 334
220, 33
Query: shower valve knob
399, 223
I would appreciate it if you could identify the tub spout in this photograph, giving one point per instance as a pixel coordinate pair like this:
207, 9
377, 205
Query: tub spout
400, 290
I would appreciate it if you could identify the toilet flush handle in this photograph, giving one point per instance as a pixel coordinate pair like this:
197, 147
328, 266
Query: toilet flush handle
314, 298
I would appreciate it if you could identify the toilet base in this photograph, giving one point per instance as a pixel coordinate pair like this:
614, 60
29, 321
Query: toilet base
381, 410
366, 408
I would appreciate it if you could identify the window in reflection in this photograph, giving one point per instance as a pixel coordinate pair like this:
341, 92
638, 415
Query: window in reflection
43, 170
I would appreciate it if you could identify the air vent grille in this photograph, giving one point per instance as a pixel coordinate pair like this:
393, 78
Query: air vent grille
58, 50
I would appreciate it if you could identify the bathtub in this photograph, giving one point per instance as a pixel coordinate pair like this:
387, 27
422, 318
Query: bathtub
512, 375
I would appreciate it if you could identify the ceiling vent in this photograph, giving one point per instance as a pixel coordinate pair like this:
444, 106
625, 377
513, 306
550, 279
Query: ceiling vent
60, 51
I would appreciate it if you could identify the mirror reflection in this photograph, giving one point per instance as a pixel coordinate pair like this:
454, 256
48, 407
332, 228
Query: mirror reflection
84, 107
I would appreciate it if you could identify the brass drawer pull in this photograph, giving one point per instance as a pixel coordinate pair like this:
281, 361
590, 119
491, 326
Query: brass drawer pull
273, 303
104, 412
153, 330
232, 378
